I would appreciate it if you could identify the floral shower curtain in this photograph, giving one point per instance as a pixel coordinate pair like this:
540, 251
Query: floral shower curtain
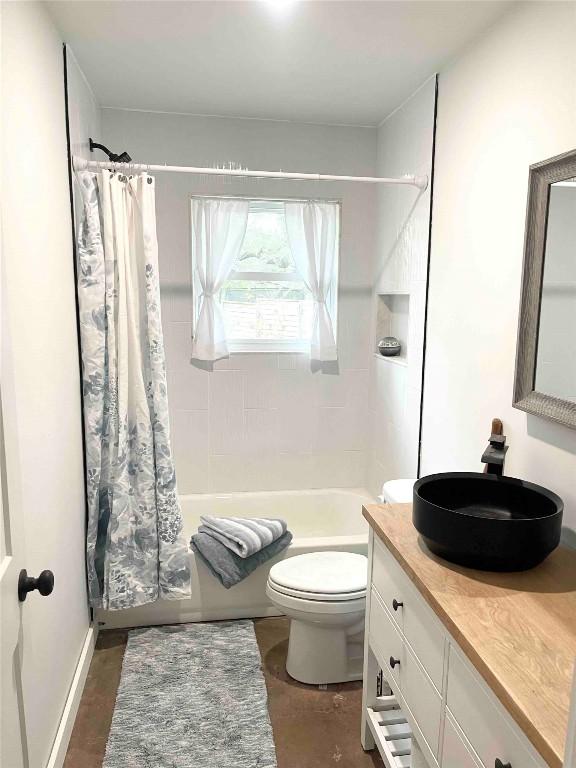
135, 547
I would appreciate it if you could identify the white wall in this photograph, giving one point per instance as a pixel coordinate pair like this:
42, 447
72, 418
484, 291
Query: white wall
84, 117
507, 102
260, 422
405, 144
37, 249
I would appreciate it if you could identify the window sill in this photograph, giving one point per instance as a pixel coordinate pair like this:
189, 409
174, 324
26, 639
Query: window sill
269, 347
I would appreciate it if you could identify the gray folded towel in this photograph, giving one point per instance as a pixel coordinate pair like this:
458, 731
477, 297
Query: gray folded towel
228, 567
243, 535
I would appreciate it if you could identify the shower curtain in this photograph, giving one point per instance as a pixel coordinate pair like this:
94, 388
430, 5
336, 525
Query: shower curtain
136, 551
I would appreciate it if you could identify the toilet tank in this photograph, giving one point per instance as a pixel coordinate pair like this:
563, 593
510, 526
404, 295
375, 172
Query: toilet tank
397, 492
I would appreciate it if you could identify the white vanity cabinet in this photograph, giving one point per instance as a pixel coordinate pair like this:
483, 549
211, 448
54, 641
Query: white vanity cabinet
437, 695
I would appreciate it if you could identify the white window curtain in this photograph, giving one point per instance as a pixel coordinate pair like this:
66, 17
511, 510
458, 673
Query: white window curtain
218, 229
313, 236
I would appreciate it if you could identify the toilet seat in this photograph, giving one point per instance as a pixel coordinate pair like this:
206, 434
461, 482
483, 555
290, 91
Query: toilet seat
322, 596
321, 577
305, 605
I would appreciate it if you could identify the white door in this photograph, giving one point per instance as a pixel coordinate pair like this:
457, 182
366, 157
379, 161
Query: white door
13, 743
13, 749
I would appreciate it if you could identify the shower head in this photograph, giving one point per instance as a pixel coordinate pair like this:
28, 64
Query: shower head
123, 157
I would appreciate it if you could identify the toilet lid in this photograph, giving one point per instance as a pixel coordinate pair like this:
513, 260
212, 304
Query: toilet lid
326, 575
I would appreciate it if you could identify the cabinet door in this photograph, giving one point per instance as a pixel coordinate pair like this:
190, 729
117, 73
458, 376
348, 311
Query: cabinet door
488, 727
421, 697
455, 753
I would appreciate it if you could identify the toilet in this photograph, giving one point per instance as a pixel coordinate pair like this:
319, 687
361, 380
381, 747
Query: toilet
397, 492
324, 595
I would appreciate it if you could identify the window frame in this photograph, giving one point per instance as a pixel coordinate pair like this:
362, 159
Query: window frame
274, 346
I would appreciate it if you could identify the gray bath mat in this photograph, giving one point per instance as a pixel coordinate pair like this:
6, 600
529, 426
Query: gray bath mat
192, 696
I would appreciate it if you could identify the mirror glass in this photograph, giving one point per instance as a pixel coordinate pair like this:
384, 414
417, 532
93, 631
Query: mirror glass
556, 360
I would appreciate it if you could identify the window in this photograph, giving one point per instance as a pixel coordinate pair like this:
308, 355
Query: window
265, 303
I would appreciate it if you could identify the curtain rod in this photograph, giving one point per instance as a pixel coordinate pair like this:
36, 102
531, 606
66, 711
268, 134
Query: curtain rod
255, 199
421, 182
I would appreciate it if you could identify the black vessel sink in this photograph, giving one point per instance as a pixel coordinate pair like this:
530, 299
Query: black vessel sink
485, 521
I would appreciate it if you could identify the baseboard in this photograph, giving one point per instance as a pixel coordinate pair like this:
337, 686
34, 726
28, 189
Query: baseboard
171, 612
64, 732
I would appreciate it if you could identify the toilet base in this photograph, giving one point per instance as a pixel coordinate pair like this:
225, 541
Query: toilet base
320, 655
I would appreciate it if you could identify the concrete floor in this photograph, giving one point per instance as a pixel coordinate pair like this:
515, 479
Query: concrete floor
312, 728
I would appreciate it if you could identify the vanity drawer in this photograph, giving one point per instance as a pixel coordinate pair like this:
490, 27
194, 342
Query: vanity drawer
414, 618
419, 694
455, 752
385, 638
488, 728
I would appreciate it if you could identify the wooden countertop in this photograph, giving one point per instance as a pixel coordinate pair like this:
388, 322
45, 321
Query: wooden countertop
517, 629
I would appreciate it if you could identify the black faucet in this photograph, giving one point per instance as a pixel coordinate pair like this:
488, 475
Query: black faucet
494, 455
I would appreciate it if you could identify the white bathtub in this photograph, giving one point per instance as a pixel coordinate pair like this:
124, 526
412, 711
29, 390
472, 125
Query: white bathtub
319, 520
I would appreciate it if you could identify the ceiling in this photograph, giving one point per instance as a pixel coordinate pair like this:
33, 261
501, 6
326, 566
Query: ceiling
350, 61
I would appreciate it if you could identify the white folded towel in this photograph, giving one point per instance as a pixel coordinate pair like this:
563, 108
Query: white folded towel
243, 535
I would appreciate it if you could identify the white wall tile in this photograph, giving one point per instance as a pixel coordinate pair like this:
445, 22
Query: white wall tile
188, 388
229, 474
190, 441
261, 388
261, 432
293, 362
177, 345
176, 301
231, 363
227, 432
379, 473
295, 470
339, 469
391, 389
342, 429
297, 428
331, 390
296, 389
342, 389
355, 331
263, 473
260, 361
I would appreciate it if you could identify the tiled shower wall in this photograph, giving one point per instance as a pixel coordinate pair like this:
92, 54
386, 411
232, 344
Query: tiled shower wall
264, 422
261, 421
405, 145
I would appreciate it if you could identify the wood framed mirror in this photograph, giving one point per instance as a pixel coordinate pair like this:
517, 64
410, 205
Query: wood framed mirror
545, 378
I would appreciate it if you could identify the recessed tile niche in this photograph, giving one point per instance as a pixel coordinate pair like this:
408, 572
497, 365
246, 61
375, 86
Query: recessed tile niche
392, 320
